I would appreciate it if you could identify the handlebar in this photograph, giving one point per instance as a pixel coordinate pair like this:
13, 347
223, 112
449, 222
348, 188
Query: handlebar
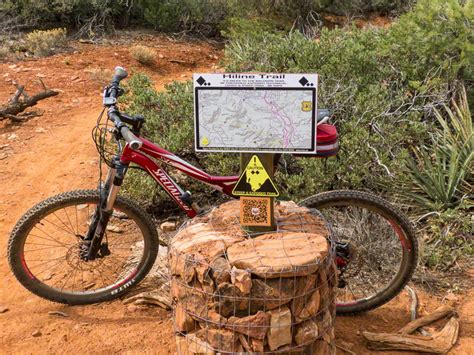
112, 92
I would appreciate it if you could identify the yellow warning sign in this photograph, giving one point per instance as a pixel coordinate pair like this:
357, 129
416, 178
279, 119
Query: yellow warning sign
306, 106
204, 141
255, 181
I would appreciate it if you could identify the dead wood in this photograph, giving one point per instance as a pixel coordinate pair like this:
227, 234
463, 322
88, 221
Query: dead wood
414, 308
154, 297
439, 343
439, 313
20, 101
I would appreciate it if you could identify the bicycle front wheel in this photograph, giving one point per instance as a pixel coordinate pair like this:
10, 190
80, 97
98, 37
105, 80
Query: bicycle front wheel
379, 248
44, 249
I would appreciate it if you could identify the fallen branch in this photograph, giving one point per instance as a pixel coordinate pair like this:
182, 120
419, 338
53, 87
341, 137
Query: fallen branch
17, 104
163, 301
440, 343
414, 308
438, 314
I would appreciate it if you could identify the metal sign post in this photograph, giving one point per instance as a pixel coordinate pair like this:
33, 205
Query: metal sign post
258, 115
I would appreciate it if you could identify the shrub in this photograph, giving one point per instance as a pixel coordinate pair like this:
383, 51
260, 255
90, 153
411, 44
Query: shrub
196, 16
441, 173
143, 54
4, 52
44, 43
169, 123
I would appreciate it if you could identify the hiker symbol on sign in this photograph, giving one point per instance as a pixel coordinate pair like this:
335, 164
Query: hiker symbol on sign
255, 181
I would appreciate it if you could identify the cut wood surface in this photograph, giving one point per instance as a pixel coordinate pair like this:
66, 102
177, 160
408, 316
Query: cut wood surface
280, 254
202, 238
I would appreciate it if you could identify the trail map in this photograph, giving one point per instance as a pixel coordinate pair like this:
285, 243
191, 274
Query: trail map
256, 114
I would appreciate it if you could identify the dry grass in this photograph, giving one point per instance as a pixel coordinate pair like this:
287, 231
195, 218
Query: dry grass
4, 52
44, 43
102, 76
143, 54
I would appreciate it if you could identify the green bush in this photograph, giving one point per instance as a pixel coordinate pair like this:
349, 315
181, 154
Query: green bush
89, 17
195, 16
170, 124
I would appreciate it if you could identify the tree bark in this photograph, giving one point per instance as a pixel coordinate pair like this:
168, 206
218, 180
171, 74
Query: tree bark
17, 105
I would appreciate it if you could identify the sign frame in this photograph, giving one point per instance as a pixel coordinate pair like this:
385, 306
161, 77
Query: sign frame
260, 82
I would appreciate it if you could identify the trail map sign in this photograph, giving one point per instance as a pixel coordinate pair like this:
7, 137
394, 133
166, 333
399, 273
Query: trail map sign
256, 113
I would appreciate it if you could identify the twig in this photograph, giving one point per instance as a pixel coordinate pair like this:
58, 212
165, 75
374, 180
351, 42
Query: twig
346, 350
378, 160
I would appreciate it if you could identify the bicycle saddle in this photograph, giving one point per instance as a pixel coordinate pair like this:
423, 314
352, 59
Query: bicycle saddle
322, 113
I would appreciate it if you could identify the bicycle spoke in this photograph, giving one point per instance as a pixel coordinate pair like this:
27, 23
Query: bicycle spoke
53, 240
58, 227
65, 225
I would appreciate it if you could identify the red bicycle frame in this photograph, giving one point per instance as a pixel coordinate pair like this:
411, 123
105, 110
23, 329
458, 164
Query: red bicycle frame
139, 157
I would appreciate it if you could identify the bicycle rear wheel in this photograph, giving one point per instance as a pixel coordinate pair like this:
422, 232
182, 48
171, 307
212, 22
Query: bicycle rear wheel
44, 249
379, 248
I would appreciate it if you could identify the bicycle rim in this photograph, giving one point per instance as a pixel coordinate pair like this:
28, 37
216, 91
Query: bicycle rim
381, 249
50, 253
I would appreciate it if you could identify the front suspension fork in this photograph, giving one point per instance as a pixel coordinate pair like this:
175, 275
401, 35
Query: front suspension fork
108, 194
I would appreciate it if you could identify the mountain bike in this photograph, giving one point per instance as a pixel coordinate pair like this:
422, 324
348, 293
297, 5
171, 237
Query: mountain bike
89, 246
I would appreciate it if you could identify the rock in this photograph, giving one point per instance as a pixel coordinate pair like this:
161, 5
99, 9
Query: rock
263, 296
74, 77
321, 347
190, 344
168, 226
161, 56
183, 322
220, 339
58, 313
12, 136
4, 309
220, 270
245, 344
306, 332
323, 288
310, 307
213, 319
279, 333
241, 279
113, 228
182, 265
36, 333
304, 288
257, 345
228, 299
255, 326
278, 255
40, 130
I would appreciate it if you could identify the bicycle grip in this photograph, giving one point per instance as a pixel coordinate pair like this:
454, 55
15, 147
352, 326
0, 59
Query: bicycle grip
133, 141
119, 74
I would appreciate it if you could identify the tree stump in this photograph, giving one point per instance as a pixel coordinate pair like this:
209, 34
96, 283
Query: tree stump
273, 293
